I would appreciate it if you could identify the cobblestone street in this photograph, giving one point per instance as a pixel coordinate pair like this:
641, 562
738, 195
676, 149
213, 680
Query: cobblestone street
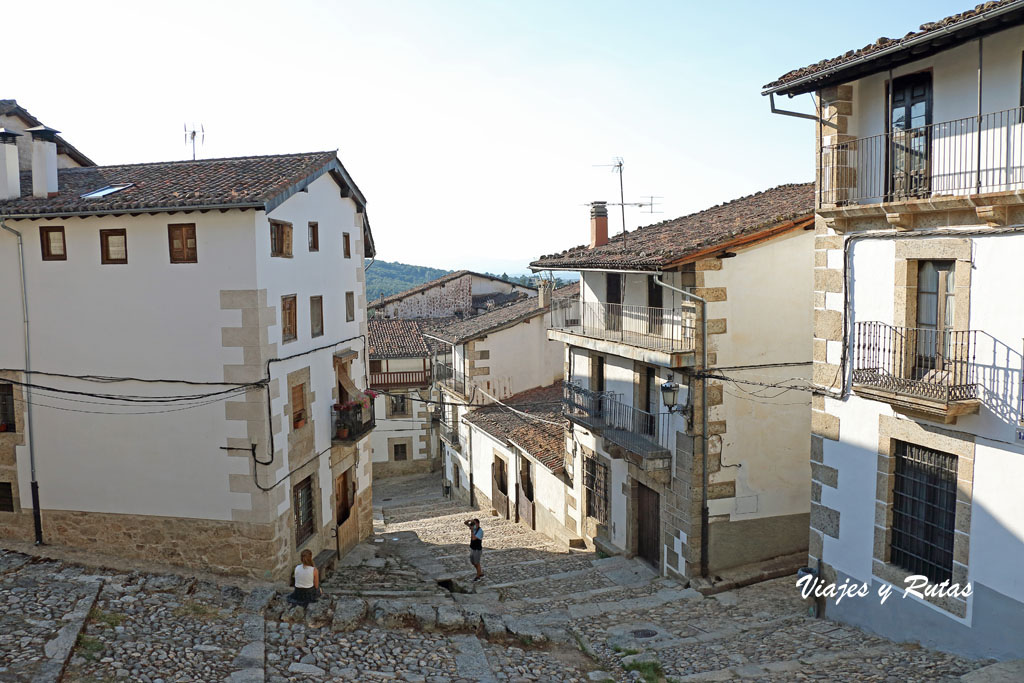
402, 606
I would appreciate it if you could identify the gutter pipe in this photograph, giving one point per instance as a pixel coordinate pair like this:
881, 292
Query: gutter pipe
704, 523
37, 519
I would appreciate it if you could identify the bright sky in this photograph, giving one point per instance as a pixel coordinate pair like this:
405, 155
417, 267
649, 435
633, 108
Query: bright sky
473, 127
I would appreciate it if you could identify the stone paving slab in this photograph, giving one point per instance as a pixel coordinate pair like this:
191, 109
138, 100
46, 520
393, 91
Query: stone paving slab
42, 610
143, 628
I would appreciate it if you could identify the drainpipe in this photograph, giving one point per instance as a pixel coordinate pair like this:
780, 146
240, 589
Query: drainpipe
37, 519
704, 423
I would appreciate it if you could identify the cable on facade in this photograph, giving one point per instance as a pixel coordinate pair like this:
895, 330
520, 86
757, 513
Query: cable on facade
134, 398
142, 412
108, 380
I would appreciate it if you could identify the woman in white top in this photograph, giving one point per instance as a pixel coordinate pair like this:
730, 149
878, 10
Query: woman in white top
307, 581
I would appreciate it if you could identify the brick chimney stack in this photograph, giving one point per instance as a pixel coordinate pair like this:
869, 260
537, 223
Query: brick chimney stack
598, 224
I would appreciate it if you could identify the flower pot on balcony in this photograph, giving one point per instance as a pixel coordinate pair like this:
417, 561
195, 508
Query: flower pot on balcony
342, 432
3, 427
299, 423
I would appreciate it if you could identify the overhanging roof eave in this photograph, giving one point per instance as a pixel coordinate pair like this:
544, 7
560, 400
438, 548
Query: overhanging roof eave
913, 49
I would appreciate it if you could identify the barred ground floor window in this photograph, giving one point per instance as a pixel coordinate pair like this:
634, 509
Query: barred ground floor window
923, 511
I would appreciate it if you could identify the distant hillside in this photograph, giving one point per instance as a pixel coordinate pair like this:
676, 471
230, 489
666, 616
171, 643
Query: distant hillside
385, 278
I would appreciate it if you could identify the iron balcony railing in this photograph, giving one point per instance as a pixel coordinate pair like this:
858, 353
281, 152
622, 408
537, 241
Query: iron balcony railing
937, 365
351, 421
660, 329
455, 380
641, 432
404, 378
450, 434
965, 156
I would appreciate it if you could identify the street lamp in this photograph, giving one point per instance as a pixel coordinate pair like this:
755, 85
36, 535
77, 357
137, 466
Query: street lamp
670, 394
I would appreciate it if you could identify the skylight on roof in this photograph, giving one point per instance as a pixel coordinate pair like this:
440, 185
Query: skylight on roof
104, 191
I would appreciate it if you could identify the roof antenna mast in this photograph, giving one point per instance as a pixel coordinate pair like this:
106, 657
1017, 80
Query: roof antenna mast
190, 137
616, 167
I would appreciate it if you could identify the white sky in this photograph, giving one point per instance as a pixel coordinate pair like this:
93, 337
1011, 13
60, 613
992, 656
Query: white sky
473, 128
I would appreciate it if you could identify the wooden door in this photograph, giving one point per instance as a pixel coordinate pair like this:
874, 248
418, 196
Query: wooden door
655, 303
344, 494
648, 525
499, 487
613, 293
910, 146
524, 494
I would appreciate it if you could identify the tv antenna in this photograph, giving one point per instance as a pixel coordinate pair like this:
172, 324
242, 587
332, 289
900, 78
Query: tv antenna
190, 136
651, 202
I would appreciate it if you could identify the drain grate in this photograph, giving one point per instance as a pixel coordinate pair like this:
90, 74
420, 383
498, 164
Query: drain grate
644, 633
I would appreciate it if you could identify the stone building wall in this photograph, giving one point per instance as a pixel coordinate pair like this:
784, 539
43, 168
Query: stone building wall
440, 301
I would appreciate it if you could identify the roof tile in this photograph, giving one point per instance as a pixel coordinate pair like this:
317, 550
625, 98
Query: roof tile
542, 440
655, 246
237, 181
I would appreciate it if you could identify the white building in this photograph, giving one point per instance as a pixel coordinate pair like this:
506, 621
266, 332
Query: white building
639, 322
226, 297
401, 376
918, 445
493, 355
518, 450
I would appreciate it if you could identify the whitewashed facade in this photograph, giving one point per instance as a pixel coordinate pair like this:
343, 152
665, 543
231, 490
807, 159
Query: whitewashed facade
200, 486
918, 439
639, 465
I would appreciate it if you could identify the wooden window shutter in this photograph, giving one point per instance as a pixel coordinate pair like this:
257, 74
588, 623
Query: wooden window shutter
287, 229
298, 405
181, 240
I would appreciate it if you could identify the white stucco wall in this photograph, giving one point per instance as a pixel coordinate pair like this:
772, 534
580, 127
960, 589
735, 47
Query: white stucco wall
997, 520
154, 319
768, 312
521, 358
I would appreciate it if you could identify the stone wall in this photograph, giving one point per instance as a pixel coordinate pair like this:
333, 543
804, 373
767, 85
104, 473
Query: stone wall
227, 547
439, 301
382, 470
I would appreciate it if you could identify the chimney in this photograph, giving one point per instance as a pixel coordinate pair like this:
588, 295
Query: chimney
10, 174
598, 224
44, 161
544, 295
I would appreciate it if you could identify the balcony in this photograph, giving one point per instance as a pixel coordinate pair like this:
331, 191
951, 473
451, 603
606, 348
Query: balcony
450, 435
663, 336
937, 162
451, 378
399, 379
352, 420
643, 438
920, 372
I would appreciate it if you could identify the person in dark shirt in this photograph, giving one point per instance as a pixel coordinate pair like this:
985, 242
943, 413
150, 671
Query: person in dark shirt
476, 546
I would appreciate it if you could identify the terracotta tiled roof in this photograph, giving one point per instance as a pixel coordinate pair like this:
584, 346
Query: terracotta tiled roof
457, 330
436, 282
395, 338
12, 108
235, 182
655, 246
889, 46
543, 441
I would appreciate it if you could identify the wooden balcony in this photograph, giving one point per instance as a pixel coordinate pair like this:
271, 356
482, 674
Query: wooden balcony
399, 379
